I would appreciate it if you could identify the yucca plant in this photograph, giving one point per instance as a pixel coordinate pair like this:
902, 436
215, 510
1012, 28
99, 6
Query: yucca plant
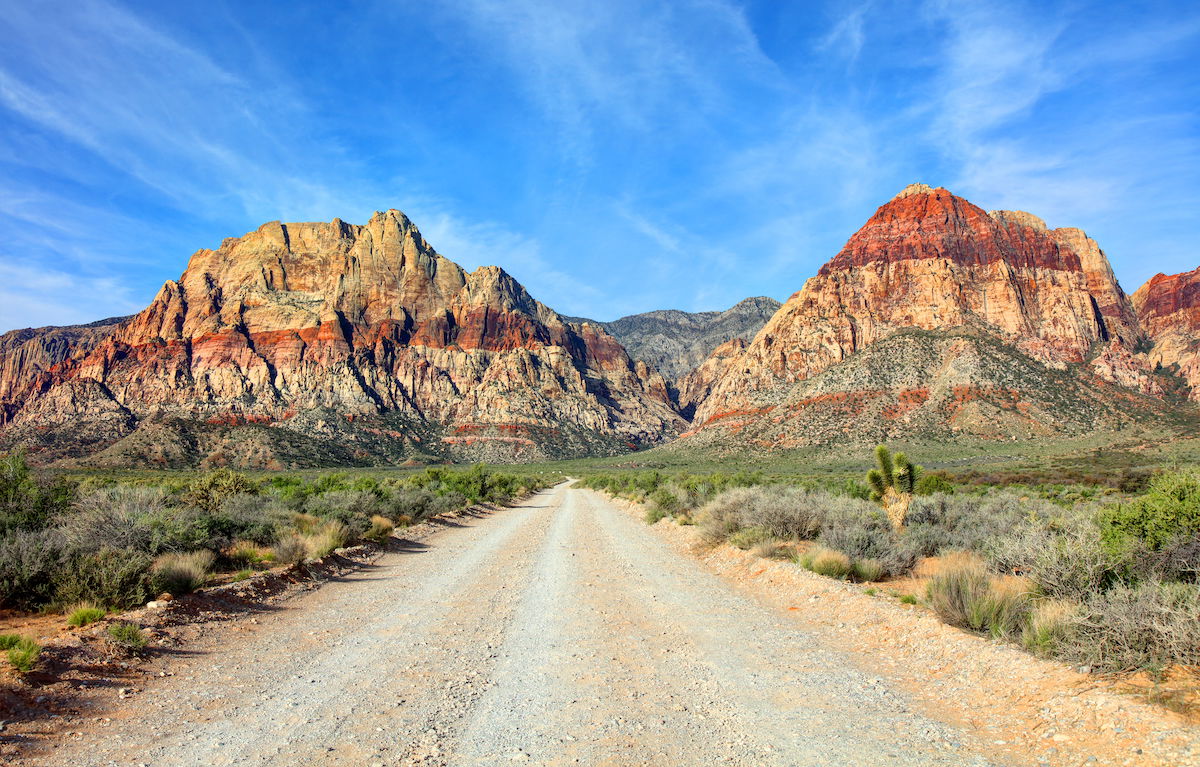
893, 483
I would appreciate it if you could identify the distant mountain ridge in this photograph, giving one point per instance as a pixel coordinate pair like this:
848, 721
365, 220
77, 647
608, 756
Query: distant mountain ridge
677, 342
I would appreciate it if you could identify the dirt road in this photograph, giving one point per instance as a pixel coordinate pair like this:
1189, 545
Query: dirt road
561, 631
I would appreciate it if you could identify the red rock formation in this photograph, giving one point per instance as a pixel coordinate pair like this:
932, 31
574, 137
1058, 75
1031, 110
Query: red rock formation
930, 260
358, 320
1168, 307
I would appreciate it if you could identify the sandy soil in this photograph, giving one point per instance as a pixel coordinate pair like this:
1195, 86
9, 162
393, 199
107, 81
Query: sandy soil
566, 631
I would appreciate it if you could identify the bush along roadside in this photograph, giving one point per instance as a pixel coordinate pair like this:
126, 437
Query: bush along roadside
109, 546
1114, 588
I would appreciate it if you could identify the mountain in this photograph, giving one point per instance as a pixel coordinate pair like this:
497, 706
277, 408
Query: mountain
939, 318
676, 342
1168, 307
329, 343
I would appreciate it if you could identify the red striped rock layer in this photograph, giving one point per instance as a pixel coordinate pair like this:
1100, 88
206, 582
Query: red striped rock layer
1168, 307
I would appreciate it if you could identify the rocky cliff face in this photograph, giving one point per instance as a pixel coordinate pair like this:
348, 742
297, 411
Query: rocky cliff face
675, 342
1168, 307
928, 260
696, 386
312, 326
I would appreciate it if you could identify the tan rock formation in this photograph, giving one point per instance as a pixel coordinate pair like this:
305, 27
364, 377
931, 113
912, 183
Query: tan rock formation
362, 322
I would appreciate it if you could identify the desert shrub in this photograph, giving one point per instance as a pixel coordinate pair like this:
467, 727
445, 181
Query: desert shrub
722, 516
22, 652
1050, 627
964, 594
85, 614
1178, 560
111, 577
209, 491
381, 529
749, 537
181, 573
665, 500
827, 562
413, 503
789, 513
868, 570
29, 560
941, 522
128, 636
908, 599
653, 515
290, 550
1149, 625
255, 518
115, 517
322, 542
957, 589
353, 508
1169, 509
1065, 563
451, 501
861, 531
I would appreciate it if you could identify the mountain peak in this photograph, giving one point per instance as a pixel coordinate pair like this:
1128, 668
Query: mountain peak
913, 189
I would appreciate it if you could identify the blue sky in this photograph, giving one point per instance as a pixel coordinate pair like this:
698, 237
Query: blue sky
615, 157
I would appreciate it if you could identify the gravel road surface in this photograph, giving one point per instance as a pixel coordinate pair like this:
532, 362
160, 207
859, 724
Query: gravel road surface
557, 632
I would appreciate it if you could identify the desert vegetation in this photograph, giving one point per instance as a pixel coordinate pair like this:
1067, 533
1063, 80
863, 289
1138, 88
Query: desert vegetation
1108, 581
88, 546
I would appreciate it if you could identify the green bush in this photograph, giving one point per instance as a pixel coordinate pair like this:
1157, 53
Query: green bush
928, 484
82, 616
114, 577
653, 515
209, 491
179, 574
22, 653
27, 502
1169, 510
128, 636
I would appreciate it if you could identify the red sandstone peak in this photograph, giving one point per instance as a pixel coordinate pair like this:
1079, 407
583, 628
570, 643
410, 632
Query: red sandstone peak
930, 260
1168, 307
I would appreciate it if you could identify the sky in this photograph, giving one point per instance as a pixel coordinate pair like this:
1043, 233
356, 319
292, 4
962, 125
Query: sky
615, 157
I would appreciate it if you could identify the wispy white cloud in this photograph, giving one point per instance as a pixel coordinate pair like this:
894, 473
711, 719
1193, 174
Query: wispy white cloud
847, 36
32, 295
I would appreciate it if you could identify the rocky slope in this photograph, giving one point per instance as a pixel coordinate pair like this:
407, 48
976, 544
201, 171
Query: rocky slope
331, 342
1168, 307
676, 343
1016, 293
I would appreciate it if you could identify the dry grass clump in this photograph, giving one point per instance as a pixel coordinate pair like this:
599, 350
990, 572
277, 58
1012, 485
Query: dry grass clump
381, 529
964, 594
181, 573
1050, 627
772, 550
247, 553
868, 570
323, 541
827, 562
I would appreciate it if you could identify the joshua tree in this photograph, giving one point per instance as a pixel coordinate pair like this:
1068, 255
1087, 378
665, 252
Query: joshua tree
892, 484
